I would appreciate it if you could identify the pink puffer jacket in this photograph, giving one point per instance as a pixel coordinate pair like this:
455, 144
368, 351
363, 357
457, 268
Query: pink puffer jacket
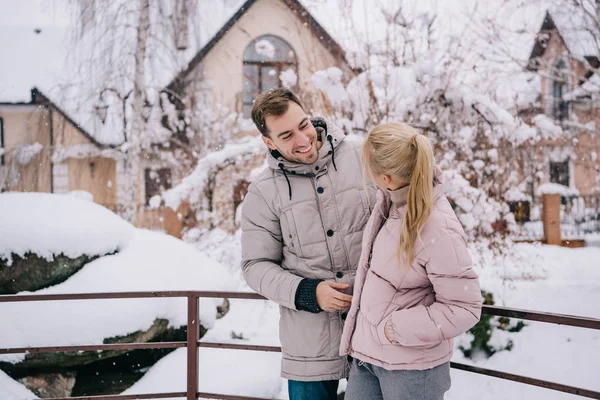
424, 305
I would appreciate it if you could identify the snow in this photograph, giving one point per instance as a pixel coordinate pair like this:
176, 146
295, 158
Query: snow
330, 82
493, 155
549, 279
476, 210
25, 153
245, 374
192, 186
528, 277
155, 201
491, 110
593, 239
149, 261
288, 78
257, 171
87, 150
407, 87
591, 87
547, 126
555, 188
49, 224
265, 48
13, 390
478, 164
577, 28
82, 194
515, 194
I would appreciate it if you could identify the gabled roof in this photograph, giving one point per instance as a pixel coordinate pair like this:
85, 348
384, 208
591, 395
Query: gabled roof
40, 99
298, 9
572, 31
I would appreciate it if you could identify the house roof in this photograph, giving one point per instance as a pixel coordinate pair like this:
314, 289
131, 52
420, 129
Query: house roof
40, 98
575, 32
298, 9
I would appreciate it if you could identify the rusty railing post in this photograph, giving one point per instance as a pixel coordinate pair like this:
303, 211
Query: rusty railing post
192, 347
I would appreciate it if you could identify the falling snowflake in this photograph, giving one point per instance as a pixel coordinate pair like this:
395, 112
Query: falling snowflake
265, 48
288, 78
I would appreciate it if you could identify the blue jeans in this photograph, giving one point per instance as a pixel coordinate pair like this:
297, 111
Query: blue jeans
320, 390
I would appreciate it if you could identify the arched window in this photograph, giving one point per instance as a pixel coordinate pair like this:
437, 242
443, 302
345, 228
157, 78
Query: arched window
560, 108
265, 59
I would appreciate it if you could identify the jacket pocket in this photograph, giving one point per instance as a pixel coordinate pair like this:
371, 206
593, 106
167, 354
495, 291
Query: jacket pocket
303, 334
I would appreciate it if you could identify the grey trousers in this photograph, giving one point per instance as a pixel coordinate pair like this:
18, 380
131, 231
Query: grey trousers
367, 381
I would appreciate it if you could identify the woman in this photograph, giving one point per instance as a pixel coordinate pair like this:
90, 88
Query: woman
415, 288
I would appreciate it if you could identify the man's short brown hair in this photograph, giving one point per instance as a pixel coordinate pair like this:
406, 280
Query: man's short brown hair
274, 102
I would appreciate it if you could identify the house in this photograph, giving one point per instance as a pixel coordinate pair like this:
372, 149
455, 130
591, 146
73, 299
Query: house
44, 150
565, 55
46, 145
263, 44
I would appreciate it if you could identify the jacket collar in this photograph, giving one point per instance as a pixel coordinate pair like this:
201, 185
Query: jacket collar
398, 198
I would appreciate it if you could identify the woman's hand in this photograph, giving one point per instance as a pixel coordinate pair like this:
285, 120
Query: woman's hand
387, 334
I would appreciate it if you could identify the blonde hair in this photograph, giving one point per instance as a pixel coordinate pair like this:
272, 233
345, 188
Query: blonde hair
398, 150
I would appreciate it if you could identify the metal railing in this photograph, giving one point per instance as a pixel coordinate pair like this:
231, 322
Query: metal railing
193, 343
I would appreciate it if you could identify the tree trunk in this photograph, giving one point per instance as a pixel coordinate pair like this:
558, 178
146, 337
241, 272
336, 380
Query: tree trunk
132, 162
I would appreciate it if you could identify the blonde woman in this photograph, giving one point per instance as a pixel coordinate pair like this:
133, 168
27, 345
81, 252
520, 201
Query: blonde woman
415, 287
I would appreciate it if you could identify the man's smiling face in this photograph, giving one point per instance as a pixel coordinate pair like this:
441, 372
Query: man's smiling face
293, 135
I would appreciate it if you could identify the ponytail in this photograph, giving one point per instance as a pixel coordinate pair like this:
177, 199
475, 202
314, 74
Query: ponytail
398, 150
420, 198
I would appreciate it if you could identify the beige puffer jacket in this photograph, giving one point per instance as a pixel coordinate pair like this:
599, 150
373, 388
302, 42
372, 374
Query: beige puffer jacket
306, 221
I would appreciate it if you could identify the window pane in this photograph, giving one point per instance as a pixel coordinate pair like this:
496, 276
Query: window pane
251, 83
559, 172
557, 89
156, 181
270, 78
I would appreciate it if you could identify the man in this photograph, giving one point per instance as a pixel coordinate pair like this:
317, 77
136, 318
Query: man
302, 224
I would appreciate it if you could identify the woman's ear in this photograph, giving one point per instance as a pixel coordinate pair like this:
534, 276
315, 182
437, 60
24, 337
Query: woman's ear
387, 179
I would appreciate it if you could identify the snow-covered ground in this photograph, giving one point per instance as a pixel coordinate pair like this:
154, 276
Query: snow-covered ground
49, 224
12, 390
535, 277
146, 261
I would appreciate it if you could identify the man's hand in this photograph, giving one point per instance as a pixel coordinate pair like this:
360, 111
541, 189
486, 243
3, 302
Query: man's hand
330, 299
